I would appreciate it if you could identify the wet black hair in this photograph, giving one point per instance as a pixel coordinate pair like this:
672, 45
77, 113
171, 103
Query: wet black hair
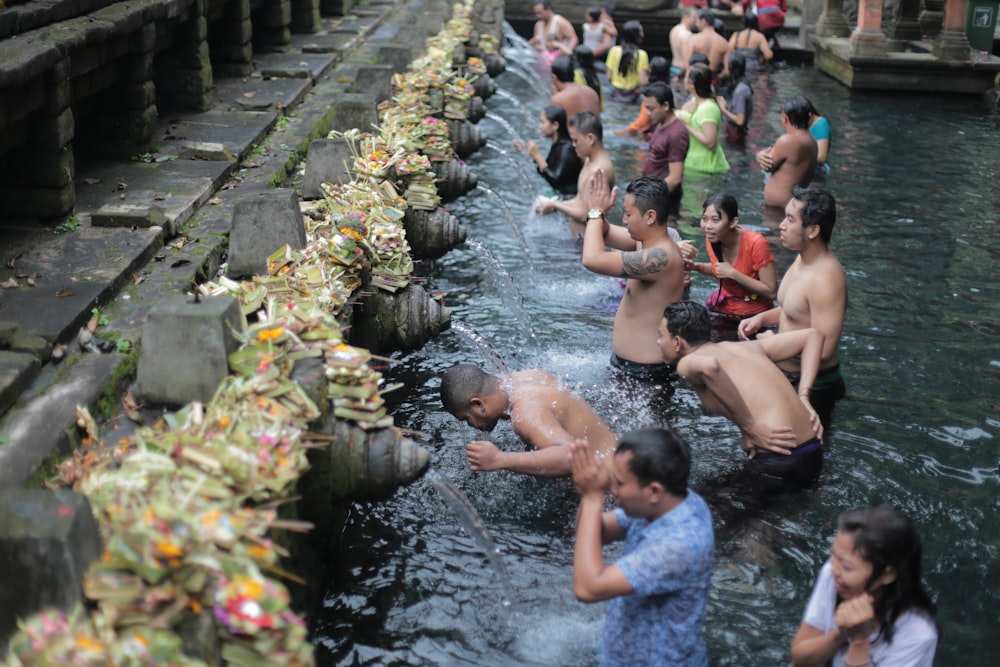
659, 90
887, 539
556, 114
594, 13
631, 37
797, 111
659, 69
723, 202
588, 122
737, 73
658, 455
749, 21
706, 15
461, 383
651, 193
583, 55
562, 69
701, 79
818, 208
689, 320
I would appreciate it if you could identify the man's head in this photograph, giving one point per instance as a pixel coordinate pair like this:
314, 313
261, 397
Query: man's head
647, 198
796, 110
562, 71
706, 20
689, 17
543, 10
649, 464
685, 324
658, 100
811, 213
473, 396
586, 132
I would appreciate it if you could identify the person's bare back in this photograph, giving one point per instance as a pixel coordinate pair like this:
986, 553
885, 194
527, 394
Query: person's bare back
793, 161
575, 98
713, 45
760, 386
536, 397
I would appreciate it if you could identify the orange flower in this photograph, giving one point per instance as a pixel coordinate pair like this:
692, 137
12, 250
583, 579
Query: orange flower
265, 335
168, 549
87, 643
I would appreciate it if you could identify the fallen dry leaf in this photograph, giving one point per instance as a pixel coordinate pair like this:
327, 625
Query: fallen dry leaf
129, 402
92, 324
178, 243
31, 282
58, 352
91, 181
64, 292
214, 201
10, 283
137, 278
157, 197
250, 94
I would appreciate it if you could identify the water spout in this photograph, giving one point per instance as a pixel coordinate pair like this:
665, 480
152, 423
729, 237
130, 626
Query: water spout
486, 351
510, 295
511, 220
467, 515
514, 163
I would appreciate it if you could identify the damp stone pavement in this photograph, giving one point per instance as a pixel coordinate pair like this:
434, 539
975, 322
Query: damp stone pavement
149, 228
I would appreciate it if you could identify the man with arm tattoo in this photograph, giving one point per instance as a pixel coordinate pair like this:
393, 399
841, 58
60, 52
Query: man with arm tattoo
642, 252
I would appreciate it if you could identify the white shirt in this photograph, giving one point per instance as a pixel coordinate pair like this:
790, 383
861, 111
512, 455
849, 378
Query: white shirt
914, 638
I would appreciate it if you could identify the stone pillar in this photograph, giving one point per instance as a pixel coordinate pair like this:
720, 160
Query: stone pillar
931, 17
867, 39
184, 73
40, 172
232, 48
272, 26
906, 27
135, 91
305, 17
831, 22
336, 7
811, 12
952, 44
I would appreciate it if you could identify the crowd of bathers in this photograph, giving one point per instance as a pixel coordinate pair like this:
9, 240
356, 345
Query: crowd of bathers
759, 351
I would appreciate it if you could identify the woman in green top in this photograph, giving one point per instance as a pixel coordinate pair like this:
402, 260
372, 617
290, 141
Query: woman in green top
703, 119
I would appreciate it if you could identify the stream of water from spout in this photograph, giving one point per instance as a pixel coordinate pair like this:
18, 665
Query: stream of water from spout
504, 123
486, 351
507, 289
511, 220
514, 163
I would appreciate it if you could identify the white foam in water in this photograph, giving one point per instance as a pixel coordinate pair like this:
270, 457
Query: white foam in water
559, 638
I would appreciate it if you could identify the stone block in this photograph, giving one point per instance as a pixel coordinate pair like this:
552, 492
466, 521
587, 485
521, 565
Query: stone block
37, 202
327, 161
17, 371
44, 170
204, 150
354, 111
186, 344
375, 80
128, 215
47, 541
396, 57
262, 224
53, 133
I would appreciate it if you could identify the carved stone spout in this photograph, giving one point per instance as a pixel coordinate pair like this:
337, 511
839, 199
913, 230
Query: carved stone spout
431, 234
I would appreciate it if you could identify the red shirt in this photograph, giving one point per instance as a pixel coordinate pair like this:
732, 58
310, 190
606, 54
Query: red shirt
755, 253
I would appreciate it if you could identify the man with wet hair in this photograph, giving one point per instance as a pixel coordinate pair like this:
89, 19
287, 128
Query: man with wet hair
781, 434
812, 294
546, 414
792, 160
658, 589
587, 135
669, 144
570, 95
706, 40
643, 252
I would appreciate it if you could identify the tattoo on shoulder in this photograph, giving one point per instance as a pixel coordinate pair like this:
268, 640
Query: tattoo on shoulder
644, 262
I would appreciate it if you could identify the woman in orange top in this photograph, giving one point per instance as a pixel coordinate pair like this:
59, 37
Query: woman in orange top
742, 262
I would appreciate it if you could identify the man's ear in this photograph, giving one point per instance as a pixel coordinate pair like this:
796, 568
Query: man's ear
477, 403
812, 231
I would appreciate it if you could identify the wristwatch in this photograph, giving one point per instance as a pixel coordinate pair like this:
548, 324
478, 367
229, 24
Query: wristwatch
594, 214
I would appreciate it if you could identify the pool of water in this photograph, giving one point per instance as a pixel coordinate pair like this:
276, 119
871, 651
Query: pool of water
916, 181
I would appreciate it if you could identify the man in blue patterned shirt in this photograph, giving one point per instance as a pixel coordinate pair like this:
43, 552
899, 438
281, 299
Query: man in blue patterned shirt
659, 587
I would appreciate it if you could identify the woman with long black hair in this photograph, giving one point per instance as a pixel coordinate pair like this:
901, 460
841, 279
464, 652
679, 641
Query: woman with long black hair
628, 65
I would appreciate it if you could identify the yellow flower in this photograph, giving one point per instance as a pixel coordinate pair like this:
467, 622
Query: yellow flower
87, 643
265, 335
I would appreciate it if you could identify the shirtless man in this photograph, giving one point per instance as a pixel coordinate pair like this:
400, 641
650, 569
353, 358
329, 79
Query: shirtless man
679, 37
545, 414
552, 30
812, 294
792, 160
780, 431
586, 133
707, 41
570, 95
642, 252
